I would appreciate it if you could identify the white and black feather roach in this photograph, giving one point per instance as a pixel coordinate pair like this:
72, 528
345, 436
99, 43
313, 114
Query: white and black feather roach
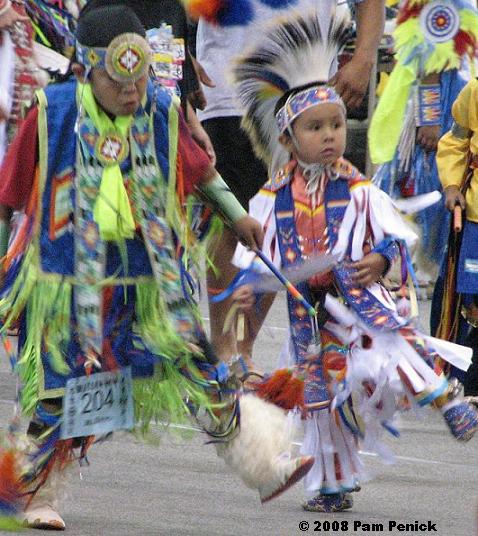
292, 53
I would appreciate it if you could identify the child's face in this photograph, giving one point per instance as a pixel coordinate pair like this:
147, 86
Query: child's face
320, 133
115, 98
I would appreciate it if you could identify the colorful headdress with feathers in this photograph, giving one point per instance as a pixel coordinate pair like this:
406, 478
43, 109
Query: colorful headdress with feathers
430, 37
228, 12
291, 64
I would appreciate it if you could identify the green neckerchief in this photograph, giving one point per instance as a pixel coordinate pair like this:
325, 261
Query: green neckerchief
112, 211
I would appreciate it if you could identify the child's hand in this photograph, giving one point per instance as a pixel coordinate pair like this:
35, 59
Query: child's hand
249, 231
453, 197
244, 297
428, 136
369, 269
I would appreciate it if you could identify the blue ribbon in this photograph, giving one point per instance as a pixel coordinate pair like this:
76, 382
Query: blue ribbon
247, 276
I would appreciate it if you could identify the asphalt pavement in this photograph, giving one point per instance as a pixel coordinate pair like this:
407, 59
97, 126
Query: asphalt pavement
180, 488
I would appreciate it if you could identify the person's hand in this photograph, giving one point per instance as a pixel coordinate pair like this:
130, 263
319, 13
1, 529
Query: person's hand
201, 73
428, 136
197, 99
453, 197
244, 297
201, 137
3, 114
369, 269
10, 17
249, 231
351, 81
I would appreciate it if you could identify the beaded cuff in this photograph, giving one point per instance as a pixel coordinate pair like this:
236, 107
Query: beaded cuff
427, 106
389, 249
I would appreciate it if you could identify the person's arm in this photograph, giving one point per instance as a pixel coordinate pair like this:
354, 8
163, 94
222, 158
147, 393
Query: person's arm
202, 179
352, 80
454, 146
218, 195
18, 168
198, 133
16, 178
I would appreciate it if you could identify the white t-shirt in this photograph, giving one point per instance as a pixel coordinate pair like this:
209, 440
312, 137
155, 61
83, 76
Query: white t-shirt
217, 47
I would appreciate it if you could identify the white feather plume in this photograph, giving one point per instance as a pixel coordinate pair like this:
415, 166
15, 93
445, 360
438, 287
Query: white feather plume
264, 438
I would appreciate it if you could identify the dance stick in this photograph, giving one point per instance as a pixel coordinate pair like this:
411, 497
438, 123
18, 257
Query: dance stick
288, 285
457, 219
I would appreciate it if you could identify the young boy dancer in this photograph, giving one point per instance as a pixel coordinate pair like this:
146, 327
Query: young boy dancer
315, 202
96, 277
457, 164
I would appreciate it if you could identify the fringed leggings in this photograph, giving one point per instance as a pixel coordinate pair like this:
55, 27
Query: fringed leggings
51, 452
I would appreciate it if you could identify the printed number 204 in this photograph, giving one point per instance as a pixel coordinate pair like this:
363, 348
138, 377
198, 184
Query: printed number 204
96, 401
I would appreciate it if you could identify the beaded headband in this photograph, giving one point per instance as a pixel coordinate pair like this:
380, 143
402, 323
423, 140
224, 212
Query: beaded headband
126, 59
299, 102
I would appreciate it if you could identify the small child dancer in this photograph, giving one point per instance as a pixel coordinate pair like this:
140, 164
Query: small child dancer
316, 202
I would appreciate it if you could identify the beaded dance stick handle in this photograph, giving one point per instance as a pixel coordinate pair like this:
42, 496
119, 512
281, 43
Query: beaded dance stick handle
287, 284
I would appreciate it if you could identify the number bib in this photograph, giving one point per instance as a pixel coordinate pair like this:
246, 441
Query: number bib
98, 404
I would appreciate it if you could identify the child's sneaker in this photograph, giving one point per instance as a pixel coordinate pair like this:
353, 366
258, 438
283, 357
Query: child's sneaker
462, 420
335, 502
348, 501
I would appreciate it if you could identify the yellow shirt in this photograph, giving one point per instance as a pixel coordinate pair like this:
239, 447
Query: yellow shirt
452, 153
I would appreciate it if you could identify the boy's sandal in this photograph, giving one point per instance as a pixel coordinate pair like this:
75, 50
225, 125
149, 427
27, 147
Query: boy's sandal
250, 380
245, 373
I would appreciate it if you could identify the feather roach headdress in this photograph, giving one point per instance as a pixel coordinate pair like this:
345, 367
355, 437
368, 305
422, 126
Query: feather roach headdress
294, 58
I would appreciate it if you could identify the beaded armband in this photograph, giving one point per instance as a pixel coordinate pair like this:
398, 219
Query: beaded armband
427, 106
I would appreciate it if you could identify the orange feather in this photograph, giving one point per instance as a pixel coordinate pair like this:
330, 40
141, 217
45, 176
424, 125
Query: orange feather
282, 389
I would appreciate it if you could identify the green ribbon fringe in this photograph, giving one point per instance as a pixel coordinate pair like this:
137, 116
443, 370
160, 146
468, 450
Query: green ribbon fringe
11, 524
48, 315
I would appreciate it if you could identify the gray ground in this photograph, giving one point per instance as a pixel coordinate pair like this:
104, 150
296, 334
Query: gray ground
181, 488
